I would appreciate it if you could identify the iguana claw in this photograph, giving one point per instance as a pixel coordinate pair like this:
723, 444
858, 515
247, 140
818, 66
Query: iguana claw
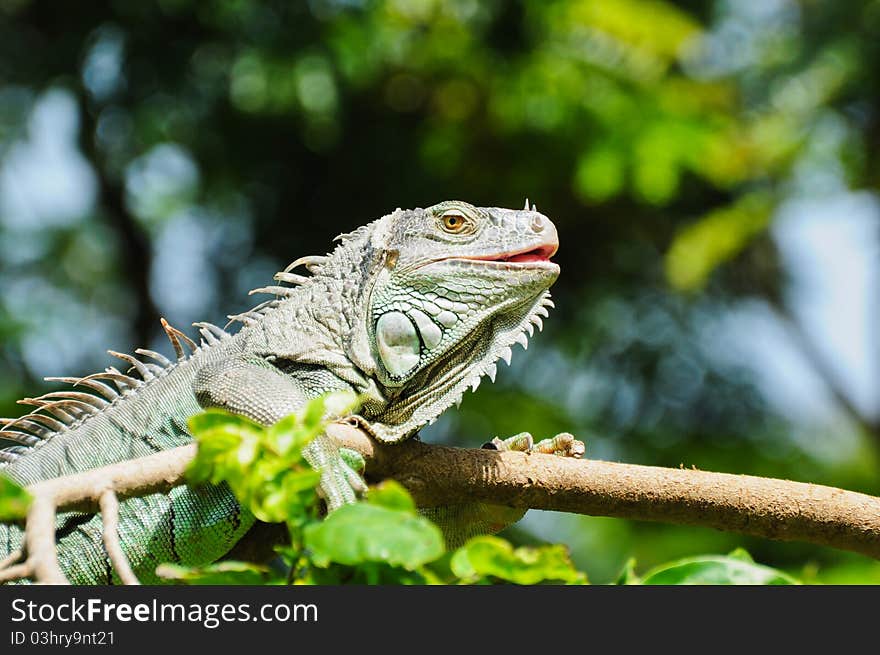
341, 480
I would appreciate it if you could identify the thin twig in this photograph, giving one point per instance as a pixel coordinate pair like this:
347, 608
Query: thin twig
16, 572
39, 536
11, 559
110, 519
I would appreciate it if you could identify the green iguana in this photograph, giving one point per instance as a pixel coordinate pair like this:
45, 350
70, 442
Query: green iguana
408, 312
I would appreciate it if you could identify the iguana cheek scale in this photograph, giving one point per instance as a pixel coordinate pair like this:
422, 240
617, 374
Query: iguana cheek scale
409, 312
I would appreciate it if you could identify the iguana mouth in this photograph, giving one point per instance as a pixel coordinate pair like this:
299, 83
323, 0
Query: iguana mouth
540, 254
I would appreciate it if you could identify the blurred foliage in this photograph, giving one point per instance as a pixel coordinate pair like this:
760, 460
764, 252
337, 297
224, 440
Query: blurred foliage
163, 157
14, 500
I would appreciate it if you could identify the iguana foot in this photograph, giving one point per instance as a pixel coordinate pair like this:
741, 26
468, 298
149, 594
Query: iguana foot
341, 480
460, 522
562, 445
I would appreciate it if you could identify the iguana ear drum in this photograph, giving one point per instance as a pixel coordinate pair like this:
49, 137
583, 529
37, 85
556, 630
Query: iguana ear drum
398, 343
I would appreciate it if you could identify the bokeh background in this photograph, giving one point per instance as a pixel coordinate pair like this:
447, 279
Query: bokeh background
712, 167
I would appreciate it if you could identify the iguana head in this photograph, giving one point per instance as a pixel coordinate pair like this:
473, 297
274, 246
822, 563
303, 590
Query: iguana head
456, 287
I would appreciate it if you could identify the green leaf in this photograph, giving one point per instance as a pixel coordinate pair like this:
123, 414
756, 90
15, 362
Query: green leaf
628, 575
264, 467
732, 569
206, 423
491, 557
363, 532
285, 498
14, 500
289, 436
228, 444
313, 413
223, 573
338, 404
372, 573
741, 554
391, 494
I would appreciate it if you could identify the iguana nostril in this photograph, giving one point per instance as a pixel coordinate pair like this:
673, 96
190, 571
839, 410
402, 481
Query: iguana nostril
538, 223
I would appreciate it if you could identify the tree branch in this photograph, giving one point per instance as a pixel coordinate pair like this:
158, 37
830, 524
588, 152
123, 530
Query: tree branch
110, 516
438, 475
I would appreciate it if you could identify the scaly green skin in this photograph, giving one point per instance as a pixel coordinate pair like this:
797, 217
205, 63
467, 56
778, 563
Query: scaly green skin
408, 312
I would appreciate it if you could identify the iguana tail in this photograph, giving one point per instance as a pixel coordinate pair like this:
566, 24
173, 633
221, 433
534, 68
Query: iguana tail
187, 526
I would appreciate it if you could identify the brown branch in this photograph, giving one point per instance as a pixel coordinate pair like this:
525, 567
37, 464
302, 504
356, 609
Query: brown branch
438, 475
13, 557
16, 572
110, 517
39, 538
762, 507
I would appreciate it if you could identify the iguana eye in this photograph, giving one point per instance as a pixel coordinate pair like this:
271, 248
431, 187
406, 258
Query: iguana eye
453, 222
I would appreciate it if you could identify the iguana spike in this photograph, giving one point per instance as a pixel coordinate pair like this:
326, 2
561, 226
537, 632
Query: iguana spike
475, 383
176, 336
51, 407
74, 407
24, 424
85, 398
534, 318
263, 307
207, 338
23, 438
530, 329
547, 302
526, 206
523, 340
123, 382
137, 364
162, 359
534, 208
507, 354
290, 278
275, 291
106, 391
53, 423
212, 333
309, 261
542, 311
246, 318
155, 368
492, 371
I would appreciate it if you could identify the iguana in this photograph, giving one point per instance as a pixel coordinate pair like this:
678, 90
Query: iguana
408, 312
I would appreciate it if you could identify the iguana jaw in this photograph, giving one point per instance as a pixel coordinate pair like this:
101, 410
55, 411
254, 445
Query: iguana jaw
532, 256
